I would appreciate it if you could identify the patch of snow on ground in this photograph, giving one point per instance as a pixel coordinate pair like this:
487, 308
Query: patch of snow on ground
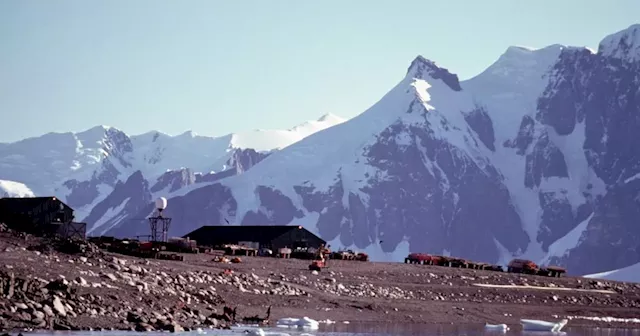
14, 189
627, 274
571, 240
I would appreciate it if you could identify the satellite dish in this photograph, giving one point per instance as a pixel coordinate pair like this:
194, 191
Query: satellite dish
161, 203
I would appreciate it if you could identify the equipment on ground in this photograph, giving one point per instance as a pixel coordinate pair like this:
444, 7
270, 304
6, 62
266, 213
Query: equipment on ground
320, 261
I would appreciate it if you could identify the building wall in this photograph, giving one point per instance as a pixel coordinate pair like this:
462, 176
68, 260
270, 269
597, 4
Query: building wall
297, 238
30, 214
292, 238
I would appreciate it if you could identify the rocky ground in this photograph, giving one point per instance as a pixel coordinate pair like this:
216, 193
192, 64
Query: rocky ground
45, 289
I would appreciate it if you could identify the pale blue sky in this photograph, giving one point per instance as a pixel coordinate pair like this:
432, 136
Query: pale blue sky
224, 66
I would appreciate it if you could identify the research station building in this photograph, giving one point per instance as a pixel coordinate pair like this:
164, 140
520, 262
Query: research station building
40, 215
272, 237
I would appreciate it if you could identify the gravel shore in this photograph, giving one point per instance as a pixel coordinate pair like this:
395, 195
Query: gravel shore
45, 289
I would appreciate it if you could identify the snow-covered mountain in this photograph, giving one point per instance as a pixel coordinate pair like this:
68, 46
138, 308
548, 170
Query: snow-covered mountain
85, 168
14, 189
535, 157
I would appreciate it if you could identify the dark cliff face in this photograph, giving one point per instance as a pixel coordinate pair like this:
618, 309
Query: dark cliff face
139, 206
481, 123
243, 159
422, 68
174, 180
601, 95
431, 195
129, 197
240, 161
209, 205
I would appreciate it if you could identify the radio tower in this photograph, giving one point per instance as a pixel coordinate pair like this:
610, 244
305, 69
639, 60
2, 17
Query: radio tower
159, 224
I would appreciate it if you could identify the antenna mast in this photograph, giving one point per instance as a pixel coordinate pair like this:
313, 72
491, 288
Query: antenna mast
159, 223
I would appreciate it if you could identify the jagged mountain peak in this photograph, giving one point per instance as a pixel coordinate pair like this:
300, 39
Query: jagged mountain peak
330, 117
97, 129
422, 68
188, 134
623, 45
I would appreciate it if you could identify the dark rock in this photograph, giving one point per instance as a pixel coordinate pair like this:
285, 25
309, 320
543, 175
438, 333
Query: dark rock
60, 326
143, 327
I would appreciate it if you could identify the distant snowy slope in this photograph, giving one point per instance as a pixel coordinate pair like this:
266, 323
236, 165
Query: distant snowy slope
84, 168
14, 189
627, 274
156, 152
266, 140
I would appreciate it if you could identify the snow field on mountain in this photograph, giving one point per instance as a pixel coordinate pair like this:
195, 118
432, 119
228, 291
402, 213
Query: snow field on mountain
610, 45
14, 189
627, 274
322, 156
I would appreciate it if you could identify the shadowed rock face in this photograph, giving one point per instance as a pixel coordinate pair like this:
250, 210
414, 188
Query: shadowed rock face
174, 180
545, 161
276, 209
133, 198
525, 136
244, 159
240, 161
481, 123
435, 196
129, 197
423, 68
209, 205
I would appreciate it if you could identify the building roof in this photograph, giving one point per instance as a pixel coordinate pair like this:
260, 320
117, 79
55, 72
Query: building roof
254, 233
27, 202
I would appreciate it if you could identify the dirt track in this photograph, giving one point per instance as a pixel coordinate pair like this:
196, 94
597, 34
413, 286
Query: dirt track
104, 291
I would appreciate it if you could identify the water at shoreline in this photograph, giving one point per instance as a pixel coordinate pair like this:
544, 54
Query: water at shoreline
363, 330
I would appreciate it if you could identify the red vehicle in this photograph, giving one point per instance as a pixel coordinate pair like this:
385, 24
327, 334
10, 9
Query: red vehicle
522, 266
362, 256
421, 258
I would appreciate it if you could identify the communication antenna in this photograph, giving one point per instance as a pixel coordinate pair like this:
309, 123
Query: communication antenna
159, 223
